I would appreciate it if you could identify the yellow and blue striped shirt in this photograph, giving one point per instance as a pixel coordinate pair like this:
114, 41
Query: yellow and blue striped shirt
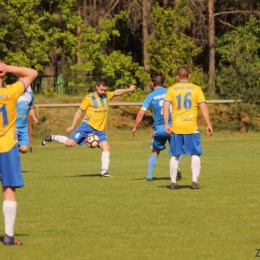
96, 108
8, 99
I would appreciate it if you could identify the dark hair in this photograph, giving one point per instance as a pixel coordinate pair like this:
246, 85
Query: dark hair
183, 72
157, 79
102, 82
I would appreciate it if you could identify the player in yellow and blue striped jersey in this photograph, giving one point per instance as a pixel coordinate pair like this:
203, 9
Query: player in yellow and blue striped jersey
95, 105
10, 167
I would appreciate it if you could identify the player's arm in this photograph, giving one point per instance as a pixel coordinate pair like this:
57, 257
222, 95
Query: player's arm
75, 120
138, 120
33, 115
166, 109
205, 113
27, 75
119, 92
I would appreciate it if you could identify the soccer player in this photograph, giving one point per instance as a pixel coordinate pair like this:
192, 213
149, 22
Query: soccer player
96, 106
185, 98
155, 100
10, 167
25, 106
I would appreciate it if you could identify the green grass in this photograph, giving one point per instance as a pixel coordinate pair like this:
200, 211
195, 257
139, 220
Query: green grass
66, 211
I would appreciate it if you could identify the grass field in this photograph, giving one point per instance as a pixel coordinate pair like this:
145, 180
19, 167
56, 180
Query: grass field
66, 211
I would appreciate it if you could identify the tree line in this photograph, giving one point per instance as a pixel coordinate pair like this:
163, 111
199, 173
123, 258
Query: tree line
72, 40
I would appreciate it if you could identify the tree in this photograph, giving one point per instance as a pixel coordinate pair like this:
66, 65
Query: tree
118, 68
239, 70
23, 35
168, 47
213, 18
212, 48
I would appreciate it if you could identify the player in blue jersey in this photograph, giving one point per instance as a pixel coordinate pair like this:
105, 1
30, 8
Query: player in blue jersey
185, 98
10, 167
25, 106
155, 100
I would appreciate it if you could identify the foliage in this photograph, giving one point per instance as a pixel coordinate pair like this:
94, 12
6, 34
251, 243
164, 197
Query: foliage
168, 47
118, 68
136, 96
50, 92
239, 70
31, 33
25, 40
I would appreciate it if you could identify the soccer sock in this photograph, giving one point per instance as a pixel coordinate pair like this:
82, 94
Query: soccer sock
9, 211
60, 138
105, 160
174, 162
151, 165
195, 167
180, 158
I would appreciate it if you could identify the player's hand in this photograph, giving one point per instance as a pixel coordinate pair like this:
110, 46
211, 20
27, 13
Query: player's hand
36, 121
132, 88
168, 130
209, 130
133, 131
70, 128
3, 69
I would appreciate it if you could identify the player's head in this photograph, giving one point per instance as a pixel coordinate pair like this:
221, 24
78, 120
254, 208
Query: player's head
101, 87
183, 73
157, 79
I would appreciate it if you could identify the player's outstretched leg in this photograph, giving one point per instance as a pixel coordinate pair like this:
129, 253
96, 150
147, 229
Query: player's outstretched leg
47, 139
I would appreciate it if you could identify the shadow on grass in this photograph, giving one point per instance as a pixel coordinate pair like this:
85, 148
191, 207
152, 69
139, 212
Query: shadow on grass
181, 187
154, 179
28, 171
83, 175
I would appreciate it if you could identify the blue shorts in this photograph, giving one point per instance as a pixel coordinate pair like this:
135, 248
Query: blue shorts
159, 140
83, 130
10, 168
185, 144
23, 136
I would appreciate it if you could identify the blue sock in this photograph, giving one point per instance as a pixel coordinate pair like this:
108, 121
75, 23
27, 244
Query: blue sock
151, 165
180, 158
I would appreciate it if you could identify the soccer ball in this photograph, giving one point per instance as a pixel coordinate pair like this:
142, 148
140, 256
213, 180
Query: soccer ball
92, 141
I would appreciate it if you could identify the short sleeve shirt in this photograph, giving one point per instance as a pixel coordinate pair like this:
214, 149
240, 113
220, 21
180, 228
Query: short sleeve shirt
155, 100
24, 104
96, 108
8, 99
185, 98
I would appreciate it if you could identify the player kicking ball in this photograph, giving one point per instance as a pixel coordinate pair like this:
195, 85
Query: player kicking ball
96, 106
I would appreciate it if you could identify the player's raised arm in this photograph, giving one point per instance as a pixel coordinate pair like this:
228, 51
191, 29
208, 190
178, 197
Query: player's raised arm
27, 75
119, 92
